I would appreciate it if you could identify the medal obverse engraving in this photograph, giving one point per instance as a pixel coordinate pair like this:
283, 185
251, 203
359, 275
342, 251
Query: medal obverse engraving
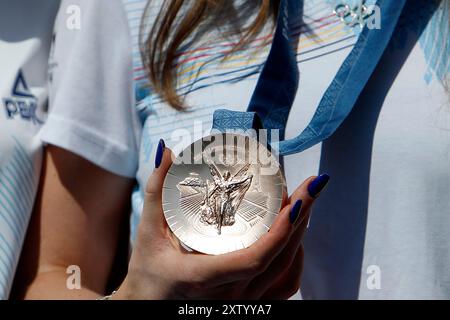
222, 195
217, 204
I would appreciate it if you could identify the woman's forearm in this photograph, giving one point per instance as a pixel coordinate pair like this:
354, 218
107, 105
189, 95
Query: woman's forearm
53, 285
77, 220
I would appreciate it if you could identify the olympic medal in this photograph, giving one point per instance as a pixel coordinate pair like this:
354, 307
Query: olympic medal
222, 193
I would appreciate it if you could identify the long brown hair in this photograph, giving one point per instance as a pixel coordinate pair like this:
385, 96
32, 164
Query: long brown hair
180, 21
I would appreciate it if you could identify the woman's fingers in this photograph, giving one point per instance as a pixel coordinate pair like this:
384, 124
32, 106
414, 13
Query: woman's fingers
289, 284
152, 214
310, 189
278, 269
281, 266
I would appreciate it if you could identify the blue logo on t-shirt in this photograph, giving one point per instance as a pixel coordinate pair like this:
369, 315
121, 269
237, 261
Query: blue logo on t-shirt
22, 102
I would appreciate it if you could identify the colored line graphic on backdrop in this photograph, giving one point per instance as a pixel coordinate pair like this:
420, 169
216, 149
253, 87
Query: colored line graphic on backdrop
322, 33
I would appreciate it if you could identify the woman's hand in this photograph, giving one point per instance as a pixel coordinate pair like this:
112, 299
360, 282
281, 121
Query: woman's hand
160, 268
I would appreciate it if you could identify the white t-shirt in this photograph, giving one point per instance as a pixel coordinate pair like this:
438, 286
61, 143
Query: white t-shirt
25, 37
381, 228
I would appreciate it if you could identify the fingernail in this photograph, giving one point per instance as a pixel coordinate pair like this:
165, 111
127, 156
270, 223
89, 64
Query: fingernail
295, 211
318, 185
159, 153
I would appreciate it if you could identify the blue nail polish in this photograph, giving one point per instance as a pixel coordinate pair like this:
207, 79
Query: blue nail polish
318, 184
159, 153
295, 211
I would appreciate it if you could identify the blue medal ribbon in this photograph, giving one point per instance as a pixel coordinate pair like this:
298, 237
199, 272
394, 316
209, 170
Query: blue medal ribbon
277, 85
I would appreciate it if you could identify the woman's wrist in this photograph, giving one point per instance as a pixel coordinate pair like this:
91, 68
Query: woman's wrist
126, 291
137, 288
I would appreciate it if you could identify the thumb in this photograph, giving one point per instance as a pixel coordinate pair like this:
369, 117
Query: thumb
152, 214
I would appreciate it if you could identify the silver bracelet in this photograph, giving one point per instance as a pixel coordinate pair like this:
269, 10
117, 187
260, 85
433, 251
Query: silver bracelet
108, 297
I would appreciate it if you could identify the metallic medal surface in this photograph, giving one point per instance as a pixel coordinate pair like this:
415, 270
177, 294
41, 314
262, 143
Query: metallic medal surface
222, 193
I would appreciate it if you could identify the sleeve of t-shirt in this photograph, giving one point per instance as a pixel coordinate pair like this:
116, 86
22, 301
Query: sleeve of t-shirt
91, 109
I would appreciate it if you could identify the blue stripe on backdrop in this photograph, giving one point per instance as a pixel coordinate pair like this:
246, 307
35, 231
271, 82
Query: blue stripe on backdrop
11, 193
18, 182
